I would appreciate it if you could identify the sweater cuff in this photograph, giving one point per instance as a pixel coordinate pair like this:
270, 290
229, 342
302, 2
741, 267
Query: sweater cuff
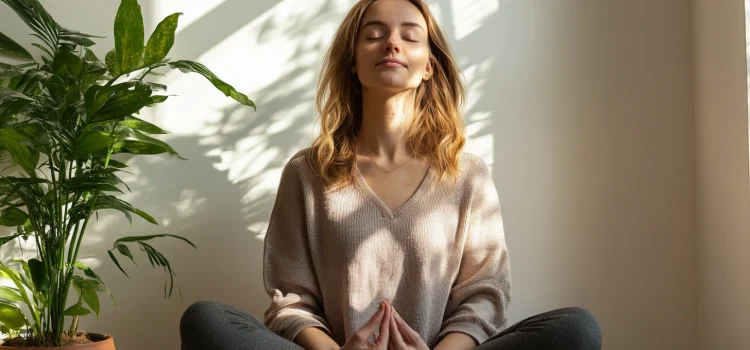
468, 328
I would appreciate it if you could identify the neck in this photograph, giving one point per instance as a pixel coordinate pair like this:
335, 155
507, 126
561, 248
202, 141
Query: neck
386, 117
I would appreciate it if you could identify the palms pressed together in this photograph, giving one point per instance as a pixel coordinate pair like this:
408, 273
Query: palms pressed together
394, 333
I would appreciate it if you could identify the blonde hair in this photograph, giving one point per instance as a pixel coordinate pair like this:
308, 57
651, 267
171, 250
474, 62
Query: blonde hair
436, 131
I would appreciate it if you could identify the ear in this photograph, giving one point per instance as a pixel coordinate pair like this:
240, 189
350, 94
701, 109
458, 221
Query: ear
428, 70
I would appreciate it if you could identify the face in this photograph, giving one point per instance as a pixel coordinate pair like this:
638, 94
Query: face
393, 50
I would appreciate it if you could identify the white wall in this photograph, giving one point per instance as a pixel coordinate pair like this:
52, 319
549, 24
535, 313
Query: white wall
722, 159
583, 107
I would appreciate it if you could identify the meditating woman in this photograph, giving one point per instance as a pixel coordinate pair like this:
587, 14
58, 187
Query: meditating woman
385, 233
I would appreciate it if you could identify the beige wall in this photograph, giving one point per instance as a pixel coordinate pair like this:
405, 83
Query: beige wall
582, 107
722, 159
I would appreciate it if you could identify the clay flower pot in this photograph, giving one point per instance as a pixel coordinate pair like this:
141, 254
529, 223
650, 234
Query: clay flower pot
101, 342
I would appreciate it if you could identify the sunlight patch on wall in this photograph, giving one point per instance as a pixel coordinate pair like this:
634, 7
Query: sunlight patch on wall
480, 138
469, 15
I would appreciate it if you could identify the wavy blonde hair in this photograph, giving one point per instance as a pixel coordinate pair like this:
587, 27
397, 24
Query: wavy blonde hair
436, 131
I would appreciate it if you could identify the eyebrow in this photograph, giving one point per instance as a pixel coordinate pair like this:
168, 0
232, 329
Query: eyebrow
403, 24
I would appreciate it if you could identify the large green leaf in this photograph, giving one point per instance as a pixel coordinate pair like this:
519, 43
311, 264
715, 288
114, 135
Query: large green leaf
12, 217
134, 142
142, 125
91, 142
67, 62
161, 40
91, 298
11, 316
76, 310
10, 294
128, 36
20, 283
11, 141
7, 45
186, 66
39, 275
122, 103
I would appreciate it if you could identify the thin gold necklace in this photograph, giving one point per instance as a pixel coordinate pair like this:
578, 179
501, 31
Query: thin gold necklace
383, 169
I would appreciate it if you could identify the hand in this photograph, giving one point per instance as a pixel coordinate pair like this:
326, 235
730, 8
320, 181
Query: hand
402, 336
360, 339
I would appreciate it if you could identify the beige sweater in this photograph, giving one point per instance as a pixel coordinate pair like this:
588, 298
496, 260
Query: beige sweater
440, 258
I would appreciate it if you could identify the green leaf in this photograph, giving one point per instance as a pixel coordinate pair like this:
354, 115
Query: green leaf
89, 272
91, 142
161, 40
109, 61
66, 61
85, 42
76, 310
142, 125
20, 283
39, 275
123, 102
145, 216
11, 316
24, 267
149, 237
7, 45
91, 298
124, 250
11, 141
128, 36
12, 217
117, 164
135, 142
10, 294
8, 238
186, 66
116, 262
90, 56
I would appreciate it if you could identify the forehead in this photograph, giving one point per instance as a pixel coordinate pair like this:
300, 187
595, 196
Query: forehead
393, 13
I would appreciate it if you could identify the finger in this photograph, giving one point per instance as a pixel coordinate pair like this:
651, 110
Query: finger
364, 333
403, 327
398, 340
382, 337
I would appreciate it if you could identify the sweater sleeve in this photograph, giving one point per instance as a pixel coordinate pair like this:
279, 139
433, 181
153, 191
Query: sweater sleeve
288, 273
481, 292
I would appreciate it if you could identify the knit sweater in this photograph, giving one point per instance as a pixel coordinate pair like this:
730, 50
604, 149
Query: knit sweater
440, 258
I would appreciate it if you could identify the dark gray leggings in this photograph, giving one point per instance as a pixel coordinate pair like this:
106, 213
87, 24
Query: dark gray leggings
211, 325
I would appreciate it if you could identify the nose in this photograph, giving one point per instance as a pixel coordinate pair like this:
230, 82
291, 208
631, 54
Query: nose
393, 44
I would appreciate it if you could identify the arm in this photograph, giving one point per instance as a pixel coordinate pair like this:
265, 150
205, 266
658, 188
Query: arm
288, 272
457, 341
481, 292
312, 338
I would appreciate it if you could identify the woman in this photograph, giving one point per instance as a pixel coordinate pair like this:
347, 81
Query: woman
385, 223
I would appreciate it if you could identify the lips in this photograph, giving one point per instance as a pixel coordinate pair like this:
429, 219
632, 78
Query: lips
391, 62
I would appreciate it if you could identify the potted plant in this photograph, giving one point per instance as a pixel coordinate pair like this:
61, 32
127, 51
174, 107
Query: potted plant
61, 122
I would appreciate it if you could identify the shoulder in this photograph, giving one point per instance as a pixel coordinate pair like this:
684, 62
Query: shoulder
473, 167
297, 168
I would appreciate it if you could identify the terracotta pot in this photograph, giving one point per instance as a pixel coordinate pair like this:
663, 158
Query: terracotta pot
106, 343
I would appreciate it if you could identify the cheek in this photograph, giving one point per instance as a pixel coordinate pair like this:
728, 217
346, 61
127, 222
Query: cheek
418, 57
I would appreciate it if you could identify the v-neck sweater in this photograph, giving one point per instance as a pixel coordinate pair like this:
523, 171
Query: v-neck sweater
440, 258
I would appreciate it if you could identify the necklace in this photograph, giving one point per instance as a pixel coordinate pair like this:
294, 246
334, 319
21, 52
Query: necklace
383, 169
